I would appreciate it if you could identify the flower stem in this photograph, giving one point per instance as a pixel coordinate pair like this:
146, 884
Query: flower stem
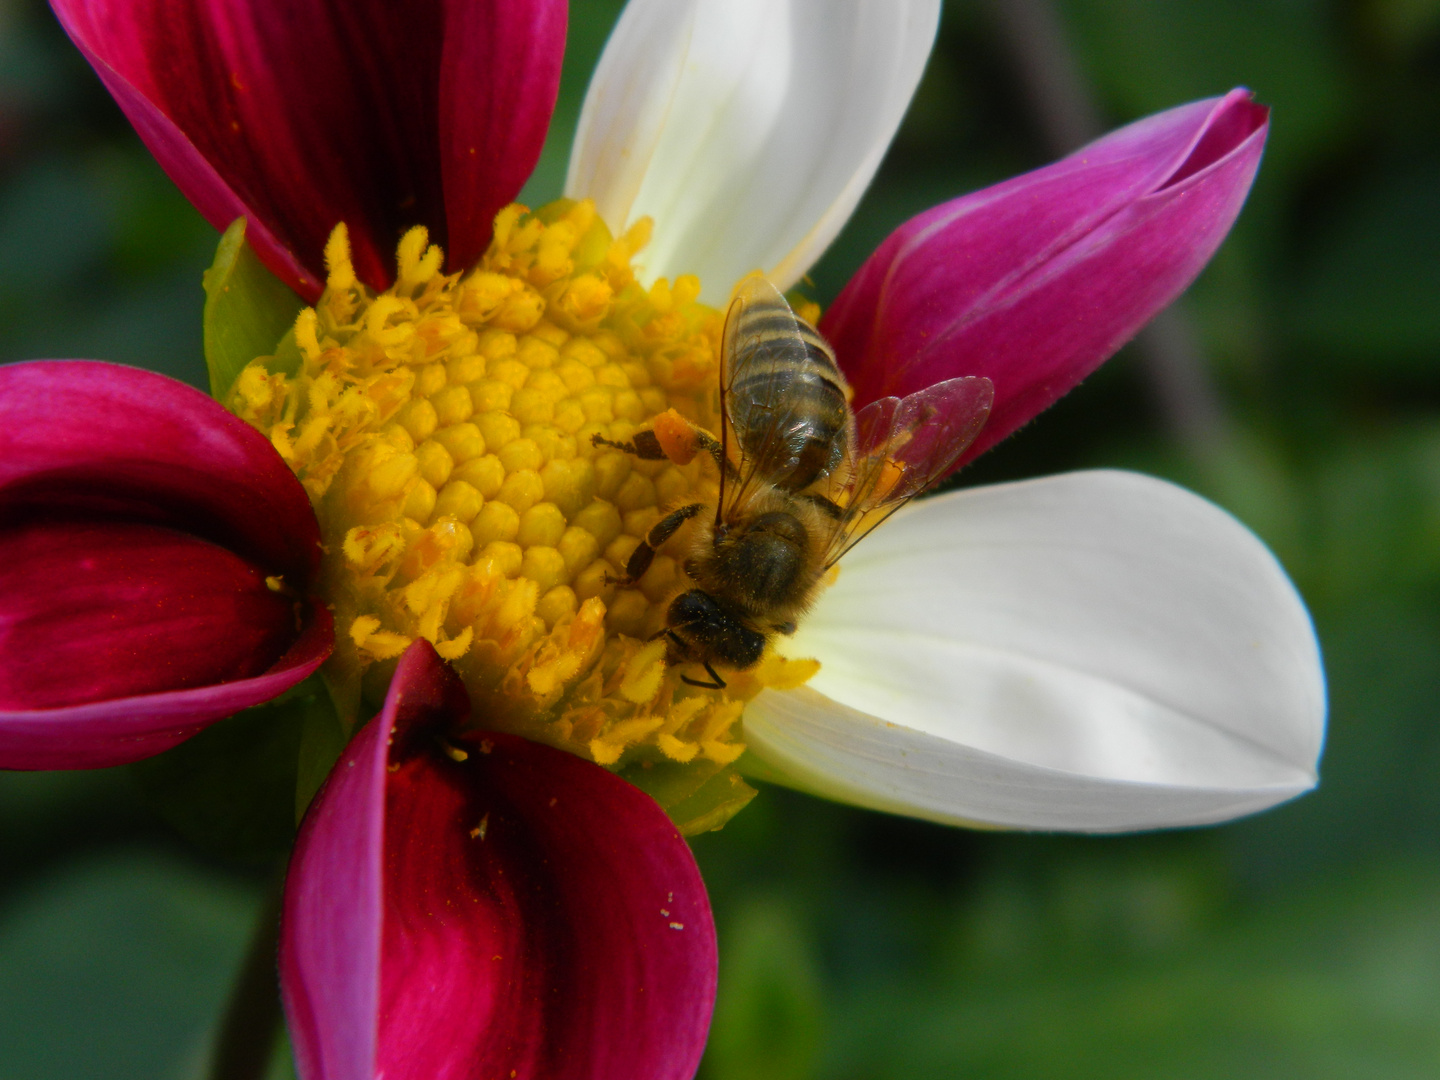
251, 1024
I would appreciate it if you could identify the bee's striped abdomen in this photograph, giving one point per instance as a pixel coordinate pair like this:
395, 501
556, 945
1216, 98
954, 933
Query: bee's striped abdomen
787, 399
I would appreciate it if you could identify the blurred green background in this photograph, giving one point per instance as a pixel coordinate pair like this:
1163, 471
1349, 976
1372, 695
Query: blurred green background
1303, 943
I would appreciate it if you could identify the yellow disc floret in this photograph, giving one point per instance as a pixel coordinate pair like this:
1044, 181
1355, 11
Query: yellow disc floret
443, 430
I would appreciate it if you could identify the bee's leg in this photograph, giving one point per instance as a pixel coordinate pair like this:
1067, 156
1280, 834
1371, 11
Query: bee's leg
707, 443
643, 445
677, 649
716, 682
711, 445
646, 446
661, 531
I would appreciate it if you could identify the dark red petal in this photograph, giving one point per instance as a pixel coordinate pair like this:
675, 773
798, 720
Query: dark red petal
140, 521
302, 115
1036, 281
86, 439
519, 910
123, 730
499, 77
90, 612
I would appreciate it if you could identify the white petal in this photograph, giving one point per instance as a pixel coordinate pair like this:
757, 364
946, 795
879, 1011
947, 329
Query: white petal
747, 129
1096, 651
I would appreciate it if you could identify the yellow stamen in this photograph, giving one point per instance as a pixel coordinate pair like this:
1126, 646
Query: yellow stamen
443, 430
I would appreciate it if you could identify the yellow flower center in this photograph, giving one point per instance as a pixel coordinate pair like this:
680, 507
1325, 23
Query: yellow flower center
444, 432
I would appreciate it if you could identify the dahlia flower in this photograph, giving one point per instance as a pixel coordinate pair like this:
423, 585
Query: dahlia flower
475, 890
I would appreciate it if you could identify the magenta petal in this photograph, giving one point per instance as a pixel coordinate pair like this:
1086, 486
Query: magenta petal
1036, 281
123, 730
138, 524
92, 611
519, 910
499, 76
82, 438
377, 114
542, 917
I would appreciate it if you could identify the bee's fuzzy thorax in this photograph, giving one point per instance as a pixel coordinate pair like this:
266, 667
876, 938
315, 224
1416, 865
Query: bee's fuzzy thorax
721, 569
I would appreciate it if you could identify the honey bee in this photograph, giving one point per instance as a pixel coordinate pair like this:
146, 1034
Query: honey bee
802, 480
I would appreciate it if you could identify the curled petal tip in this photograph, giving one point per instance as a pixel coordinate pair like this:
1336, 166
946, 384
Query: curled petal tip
1235, 119
330, 944
120, 730
1036, 281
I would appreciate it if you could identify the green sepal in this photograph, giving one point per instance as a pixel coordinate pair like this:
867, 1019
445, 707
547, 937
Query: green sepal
247, 310
231, 788
699, 796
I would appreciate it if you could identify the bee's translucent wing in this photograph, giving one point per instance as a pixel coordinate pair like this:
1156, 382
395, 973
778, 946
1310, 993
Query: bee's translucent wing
924, 434
902, 446
768, 353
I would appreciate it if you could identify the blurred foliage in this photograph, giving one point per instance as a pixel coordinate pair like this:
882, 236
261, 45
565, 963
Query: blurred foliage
238, 788
768, 1016
116, 965
1302, 943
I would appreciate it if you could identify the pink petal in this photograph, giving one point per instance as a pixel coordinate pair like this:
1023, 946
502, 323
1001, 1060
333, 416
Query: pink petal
88, 439
499, 76
1034, 282
519, 910
138, 523
122, 730
380, 115
92, 611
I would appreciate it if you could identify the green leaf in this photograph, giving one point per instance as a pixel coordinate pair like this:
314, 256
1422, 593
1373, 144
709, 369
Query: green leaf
231, 789
247, 310
699, 796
